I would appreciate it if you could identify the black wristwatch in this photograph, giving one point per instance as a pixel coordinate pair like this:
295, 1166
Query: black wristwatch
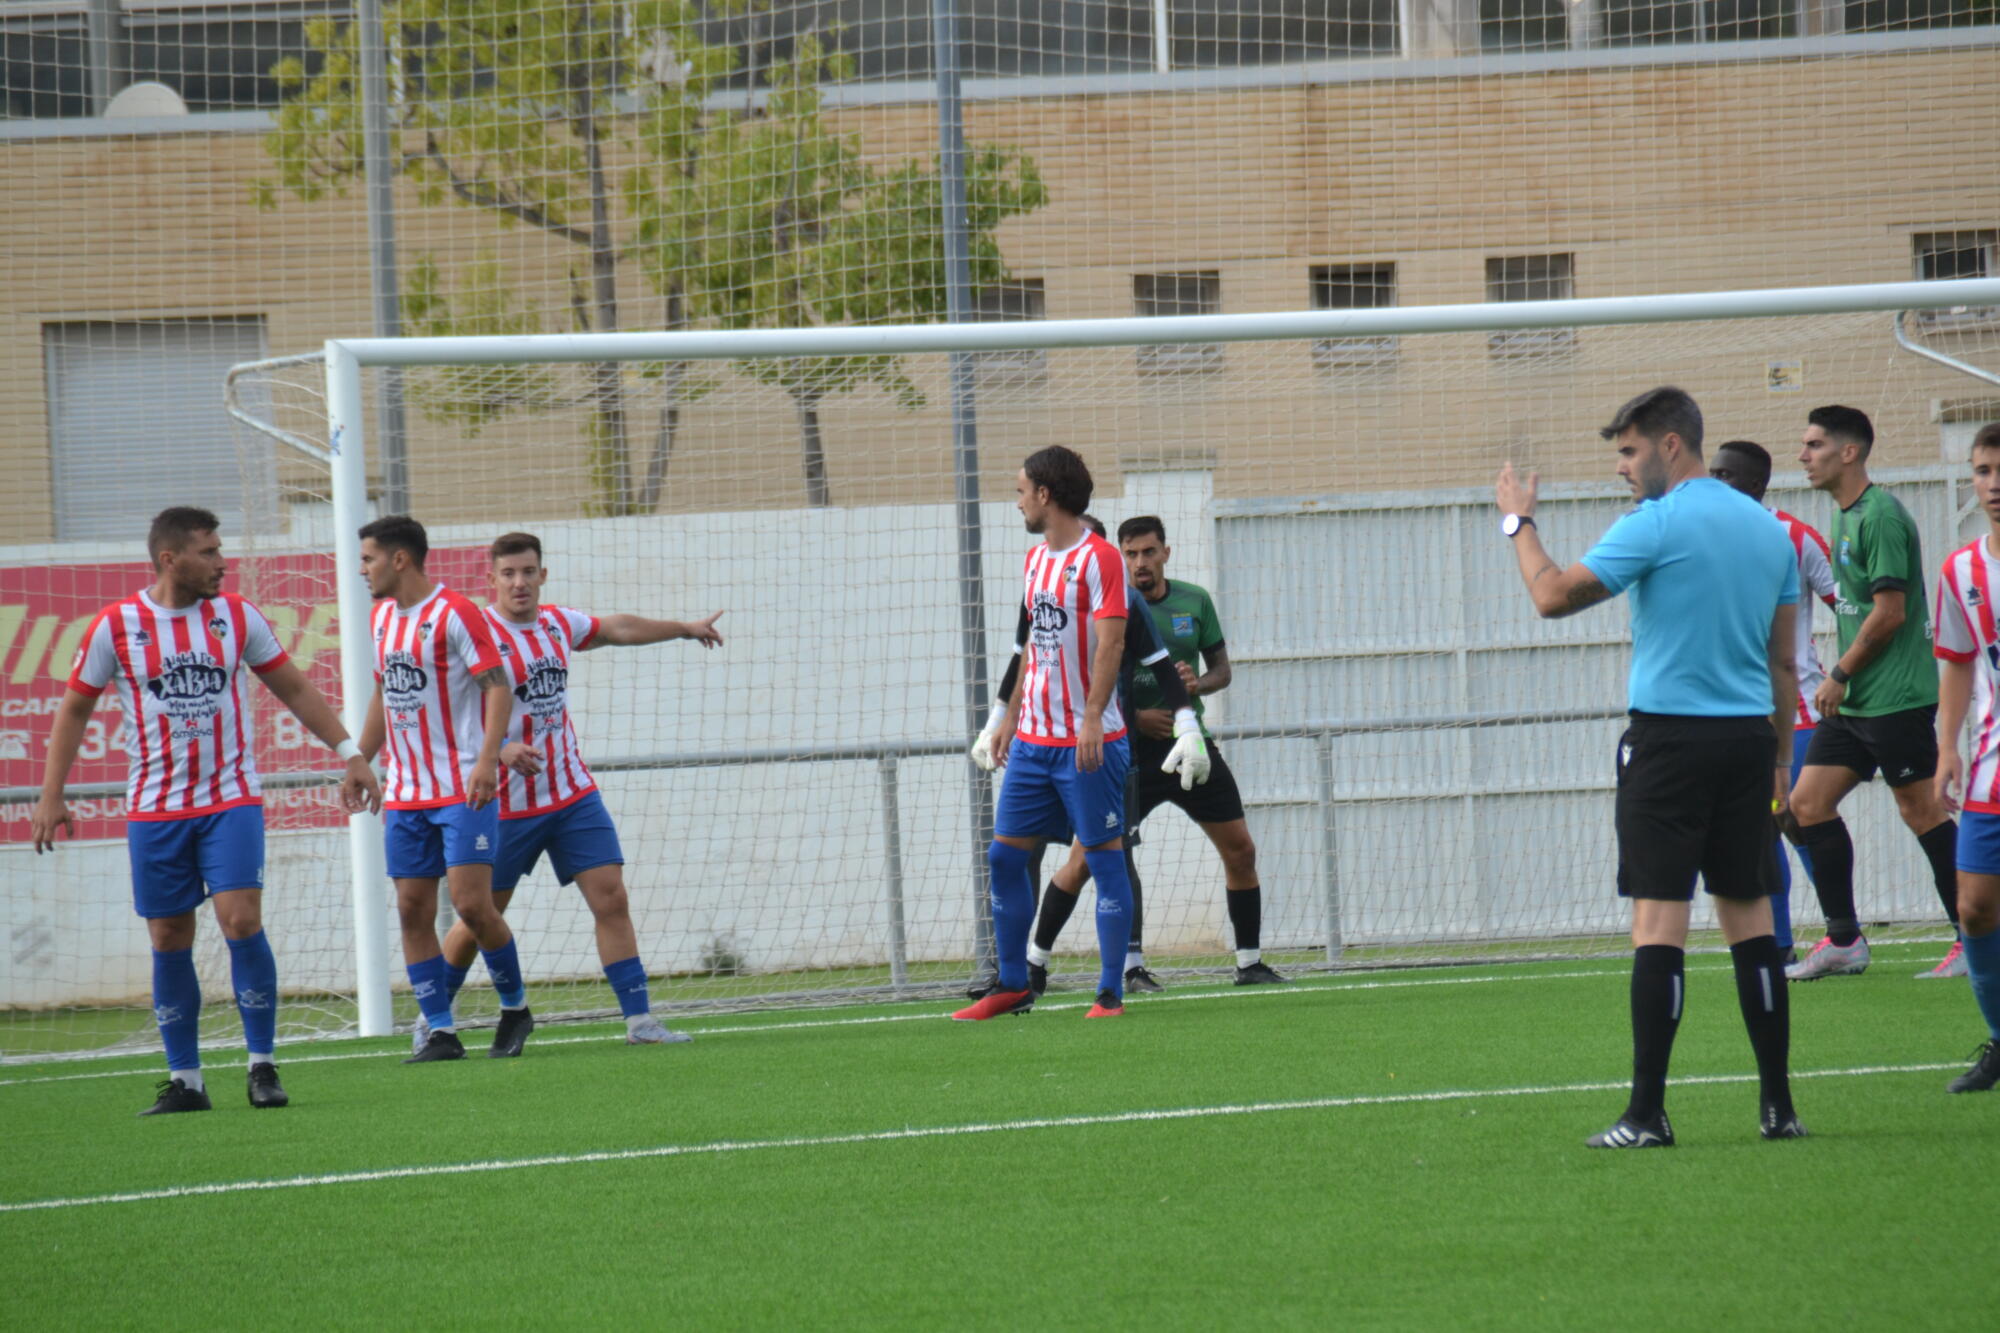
1837, 676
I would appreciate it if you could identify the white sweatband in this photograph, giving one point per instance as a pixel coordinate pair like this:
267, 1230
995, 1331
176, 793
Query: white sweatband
996, 717
347, 749
1185, 721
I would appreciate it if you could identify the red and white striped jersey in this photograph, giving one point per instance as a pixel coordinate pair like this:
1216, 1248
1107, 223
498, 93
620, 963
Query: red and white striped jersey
425, 659
1815, 580
187, 715
537, 660
1067, 593
1965, 633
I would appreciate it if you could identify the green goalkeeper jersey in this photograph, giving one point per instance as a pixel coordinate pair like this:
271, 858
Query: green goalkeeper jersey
1188, 627
1875, 549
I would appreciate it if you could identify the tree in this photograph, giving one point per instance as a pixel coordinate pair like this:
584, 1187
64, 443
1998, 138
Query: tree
552, 115
784, 223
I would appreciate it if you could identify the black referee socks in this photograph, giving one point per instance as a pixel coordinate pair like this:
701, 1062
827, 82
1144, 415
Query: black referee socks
1056, 907
1833, 877
1657, 988
1766, 1005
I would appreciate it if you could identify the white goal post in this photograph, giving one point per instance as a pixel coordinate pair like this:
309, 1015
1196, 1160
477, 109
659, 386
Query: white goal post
348, 407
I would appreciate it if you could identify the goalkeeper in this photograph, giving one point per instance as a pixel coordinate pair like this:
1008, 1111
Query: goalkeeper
1182, 616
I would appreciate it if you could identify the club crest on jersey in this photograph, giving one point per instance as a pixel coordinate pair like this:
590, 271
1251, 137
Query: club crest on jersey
218, 627
1069, 574
1845, 542
423, 627
1184, 627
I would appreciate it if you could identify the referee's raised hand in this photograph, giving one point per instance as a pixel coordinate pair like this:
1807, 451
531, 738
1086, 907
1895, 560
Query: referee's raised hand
1514, 494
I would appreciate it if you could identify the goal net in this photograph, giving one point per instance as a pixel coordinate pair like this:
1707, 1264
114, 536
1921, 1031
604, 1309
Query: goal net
1424, 764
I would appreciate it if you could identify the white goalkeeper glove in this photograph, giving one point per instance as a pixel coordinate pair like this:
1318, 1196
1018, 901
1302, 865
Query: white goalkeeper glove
1189, 757
982, 749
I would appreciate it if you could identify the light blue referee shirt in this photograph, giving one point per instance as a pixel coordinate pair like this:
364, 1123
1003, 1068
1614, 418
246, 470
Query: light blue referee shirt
1707, 568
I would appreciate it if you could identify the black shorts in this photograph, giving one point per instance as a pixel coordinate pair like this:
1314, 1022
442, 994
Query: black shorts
1694, 798
1215, 801
1903, 745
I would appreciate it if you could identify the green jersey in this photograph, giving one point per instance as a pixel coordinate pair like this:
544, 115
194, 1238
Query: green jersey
1188, 627
1875, 549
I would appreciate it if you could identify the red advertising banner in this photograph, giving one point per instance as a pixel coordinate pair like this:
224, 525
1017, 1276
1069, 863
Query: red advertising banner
45, 612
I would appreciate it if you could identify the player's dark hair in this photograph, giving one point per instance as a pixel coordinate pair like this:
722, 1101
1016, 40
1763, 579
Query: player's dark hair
1093, 522
1988, 436
515, 543
399, 532
1141, 526
1657, 413
173, 528
1845, 423
1756, 463
1063, 473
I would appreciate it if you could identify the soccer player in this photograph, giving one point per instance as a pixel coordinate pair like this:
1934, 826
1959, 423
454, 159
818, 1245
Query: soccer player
1066, 771
1184, 616
1707, 759
1143, 649
442, 708
1746, 465
550, 803
1969, 645
1878, 703
194, 808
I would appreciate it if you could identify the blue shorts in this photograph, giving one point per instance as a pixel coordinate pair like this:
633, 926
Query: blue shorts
578, 837
423, 844
176, 863
1045, 795
1979, 843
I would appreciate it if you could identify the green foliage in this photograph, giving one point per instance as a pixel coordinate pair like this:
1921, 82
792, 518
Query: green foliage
590, 121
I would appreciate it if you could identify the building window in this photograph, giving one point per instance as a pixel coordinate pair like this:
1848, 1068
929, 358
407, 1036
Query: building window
1354, 287
1939, 256
1531, 278
1016, 367
44, 68
1523, 25
135, 415
1178, 294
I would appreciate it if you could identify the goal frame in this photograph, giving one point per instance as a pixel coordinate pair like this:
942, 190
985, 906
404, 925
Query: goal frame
345, 451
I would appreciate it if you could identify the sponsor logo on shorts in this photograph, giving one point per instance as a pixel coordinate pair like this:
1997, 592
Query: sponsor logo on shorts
1110, 819
480, 843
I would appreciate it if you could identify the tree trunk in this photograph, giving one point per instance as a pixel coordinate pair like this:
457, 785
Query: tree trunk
608, 383
814, 454
671, 380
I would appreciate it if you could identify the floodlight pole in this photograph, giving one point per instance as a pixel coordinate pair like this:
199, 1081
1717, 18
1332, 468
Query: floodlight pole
965, 456
346, 408
380, 176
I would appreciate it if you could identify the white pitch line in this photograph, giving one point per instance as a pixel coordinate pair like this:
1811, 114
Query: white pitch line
899, 1135
1304, 987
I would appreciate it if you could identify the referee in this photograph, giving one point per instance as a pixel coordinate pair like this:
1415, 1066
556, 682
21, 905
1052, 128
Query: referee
1714, 588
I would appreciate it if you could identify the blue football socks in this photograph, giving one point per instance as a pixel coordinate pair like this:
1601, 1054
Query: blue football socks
177, 1007
1982, 964
1013, 899
1114, 917
253, 975
504, 966
454, 980
628, 982
427, 981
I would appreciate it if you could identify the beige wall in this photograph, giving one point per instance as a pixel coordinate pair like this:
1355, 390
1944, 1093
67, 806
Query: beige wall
1681, 178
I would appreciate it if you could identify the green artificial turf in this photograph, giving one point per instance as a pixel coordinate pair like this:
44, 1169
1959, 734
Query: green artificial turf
1476, 1210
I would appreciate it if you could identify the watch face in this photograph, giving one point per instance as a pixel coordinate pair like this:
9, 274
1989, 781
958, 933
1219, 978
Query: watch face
1510, 524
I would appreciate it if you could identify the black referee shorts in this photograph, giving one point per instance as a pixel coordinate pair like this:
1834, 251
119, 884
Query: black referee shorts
1694, 798
1216, 801
1902, 744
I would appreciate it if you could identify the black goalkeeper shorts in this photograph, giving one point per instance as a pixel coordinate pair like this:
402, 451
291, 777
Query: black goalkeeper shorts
1216, 801
1694, 799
